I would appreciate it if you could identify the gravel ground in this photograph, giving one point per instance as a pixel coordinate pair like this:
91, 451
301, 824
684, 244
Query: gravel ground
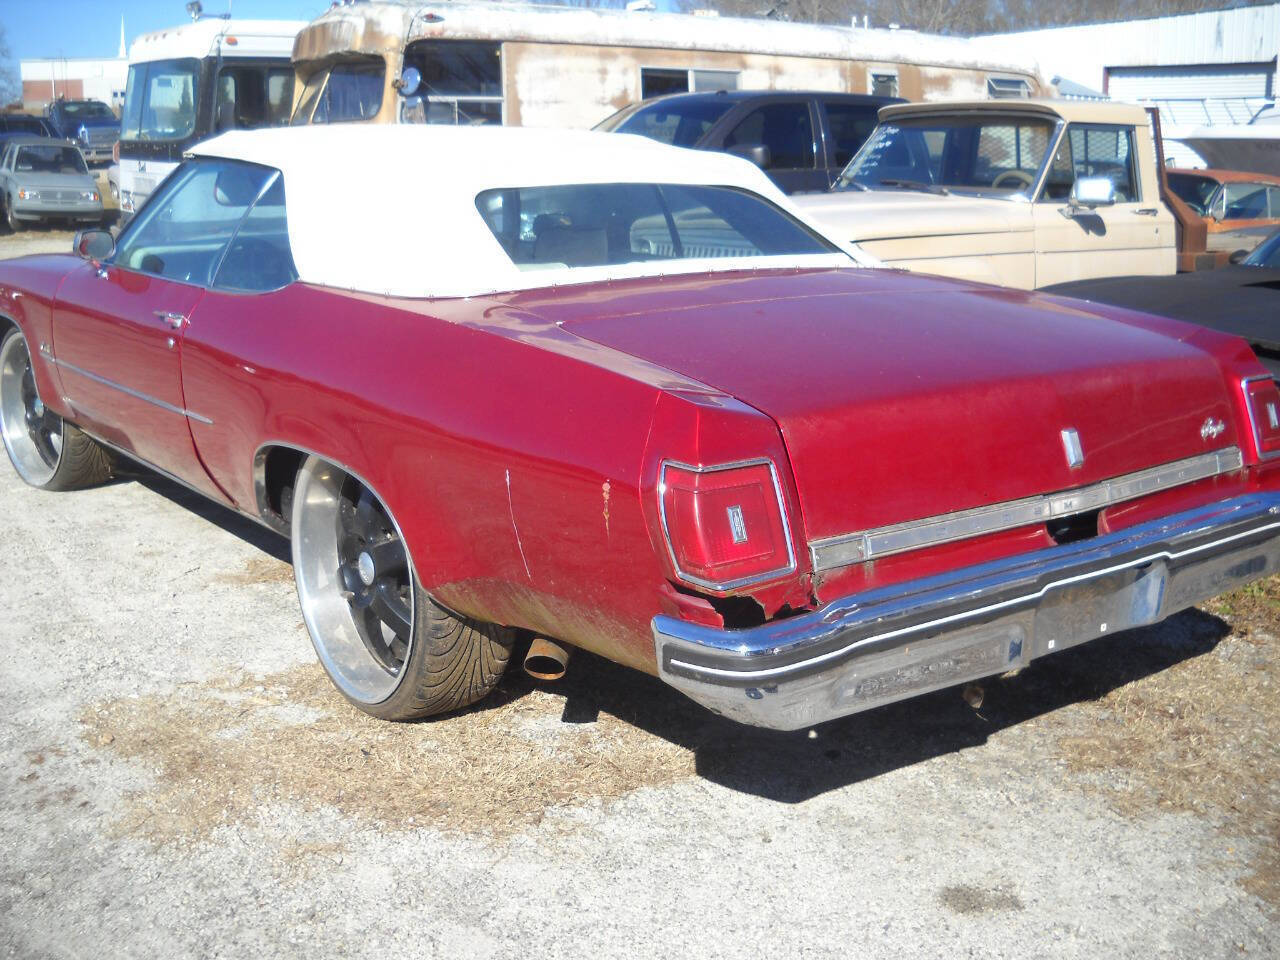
177, 780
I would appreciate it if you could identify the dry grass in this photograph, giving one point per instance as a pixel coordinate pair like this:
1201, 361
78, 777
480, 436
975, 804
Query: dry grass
1202, 736
223, 752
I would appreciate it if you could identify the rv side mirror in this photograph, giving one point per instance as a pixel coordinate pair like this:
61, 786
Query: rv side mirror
757, 153
93, 244
1238, 256
409, 82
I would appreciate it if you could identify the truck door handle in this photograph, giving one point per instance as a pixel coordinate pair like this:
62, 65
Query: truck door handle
175, 320
1147, 211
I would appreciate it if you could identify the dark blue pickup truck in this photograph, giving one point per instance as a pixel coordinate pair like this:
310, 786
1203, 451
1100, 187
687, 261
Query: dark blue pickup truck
90, 124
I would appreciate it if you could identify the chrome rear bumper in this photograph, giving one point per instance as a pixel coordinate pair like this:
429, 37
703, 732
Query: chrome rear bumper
884, 645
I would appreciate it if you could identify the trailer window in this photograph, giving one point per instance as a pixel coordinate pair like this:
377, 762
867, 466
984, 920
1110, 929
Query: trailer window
160, 100
461, 82
591, 225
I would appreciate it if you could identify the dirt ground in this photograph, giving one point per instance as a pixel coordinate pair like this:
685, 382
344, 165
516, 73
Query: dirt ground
178, 779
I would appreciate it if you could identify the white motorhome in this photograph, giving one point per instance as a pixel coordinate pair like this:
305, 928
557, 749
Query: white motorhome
522, 64
190, 82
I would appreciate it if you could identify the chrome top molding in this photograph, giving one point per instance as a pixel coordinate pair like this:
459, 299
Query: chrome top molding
782, 509
1254, 426
146, 398
850, 548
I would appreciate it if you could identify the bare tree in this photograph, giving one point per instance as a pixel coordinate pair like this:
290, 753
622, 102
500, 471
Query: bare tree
10, 86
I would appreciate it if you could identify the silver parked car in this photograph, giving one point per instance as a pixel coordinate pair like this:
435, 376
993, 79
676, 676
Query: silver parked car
44, 179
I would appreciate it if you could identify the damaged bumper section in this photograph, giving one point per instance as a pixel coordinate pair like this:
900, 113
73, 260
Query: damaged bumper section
884, 645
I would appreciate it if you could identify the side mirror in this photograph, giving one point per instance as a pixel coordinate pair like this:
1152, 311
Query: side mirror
1093, 192
95, 245
757, 153
409, 82
1238, 256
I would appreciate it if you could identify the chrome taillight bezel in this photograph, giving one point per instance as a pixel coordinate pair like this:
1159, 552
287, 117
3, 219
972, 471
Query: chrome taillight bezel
1254, 427
723, 586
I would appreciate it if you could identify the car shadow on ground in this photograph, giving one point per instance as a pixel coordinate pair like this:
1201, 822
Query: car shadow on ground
794, 767
797, 766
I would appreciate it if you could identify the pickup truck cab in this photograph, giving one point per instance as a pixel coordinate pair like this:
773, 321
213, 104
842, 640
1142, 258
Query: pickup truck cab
90, 124
1021, 193
800, 140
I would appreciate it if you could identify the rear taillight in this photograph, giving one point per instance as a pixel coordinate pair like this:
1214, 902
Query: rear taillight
725, 526
1262, 400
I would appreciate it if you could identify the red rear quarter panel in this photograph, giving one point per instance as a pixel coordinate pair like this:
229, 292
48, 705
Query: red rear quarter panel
28, 286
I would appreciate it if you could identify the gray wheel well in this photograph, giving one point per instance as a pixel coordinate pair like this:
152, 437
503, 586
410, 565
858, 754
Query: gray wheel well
275, 468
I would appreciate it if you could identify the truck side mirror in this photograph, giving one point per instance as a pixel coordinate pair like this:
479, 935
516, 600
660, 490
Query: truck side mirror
757, 153
1088, 193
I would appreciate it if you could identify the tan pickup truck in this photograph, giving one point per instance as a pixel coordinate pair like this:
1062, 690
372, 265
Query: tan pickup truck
1023, 193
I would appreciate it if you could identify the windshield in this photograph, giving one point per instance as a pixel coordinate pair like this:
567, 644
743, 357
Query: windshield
1195, 191
343, 93
593, 225
1266, 254
160, 100
87, 110
681, 123
48, 159
999, 156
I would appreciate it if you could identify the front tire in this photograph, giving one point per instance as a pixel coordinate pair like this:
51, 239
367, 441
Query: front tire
47, 452
15, 225
388, 647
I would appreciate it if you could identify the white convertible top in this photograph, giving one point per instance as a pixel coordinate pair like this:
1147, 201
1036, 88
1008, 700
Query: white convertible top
390, 209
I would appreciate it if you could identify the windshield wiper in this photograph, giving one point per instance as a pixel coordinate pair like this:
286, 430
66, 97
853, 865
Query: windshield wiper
916, 185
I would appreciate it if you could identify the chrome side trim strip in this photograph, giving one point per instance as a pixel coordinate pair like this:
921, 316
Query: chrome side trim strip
851, 548
146, 398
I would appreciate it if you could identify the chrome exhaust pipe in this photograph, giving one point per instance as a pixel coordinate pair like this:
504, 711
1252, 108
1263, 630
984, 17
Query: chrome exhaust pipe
546, 659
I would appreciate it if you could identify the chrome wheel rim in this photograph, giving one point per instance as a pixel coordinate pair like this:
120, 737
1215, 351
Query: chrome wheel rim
33, 434
355, 581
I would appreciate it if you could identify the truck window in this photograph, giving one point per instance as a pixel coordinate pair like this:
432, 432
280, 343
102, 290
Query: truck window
1093, 150
782, 127
850, 126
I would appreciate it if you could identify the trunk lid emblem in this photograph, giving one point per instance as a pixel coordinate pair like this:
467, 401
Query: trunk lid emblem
1211, 428
1071, 446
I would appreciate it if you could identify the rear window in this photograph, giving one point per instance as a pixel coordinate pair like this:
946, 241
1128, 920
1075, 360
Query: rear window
594, 225
681, 123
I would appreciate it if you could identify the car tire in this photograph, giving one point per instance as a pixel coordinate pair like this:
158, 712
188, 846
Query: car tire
45, 450
15, 225
389, 647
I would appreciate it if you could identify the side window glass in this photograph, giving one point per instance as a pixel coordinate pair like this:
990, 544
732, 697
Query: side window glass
1098, 151
182, 233
279, 96
782, 127
1245, 201
850, 126
1061, 176
259, 257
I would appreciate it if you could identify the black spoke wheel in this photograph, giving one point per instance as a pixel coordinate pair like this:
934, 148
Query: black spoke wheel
385, 643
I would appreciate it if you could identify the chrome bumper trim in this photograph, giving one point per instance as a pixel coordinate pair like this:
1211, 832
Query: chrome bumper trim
896, 642
850, 548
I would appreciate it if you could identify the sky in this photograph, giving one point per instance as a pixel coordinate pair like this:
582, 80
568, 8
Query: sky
91, 28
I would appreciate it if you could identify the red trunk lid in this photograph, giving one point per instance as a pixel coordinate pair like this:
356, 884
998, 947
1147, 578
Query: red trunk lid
903, 396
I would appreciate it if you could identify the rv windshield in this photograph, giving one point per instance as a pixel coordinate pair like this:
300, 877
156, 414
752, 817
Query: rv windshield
1000, 156
160, 100
345, 92
679, 122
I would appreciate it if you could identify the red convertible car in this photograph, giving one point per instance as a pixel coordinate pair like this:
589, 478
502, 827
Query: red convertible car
586, 387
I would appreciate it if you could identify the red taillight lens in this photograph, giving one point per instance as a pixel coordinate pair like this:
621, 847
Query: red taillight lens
725, 526
1263, 400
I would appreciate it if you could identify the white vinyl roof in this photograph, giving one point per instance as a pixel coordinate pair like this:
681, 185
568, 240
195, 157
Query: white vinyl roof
390, 209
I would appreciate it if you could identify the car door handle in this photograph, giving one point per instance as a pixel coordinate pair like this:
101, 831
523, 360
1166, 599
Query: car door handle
175, 320
1147, 212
